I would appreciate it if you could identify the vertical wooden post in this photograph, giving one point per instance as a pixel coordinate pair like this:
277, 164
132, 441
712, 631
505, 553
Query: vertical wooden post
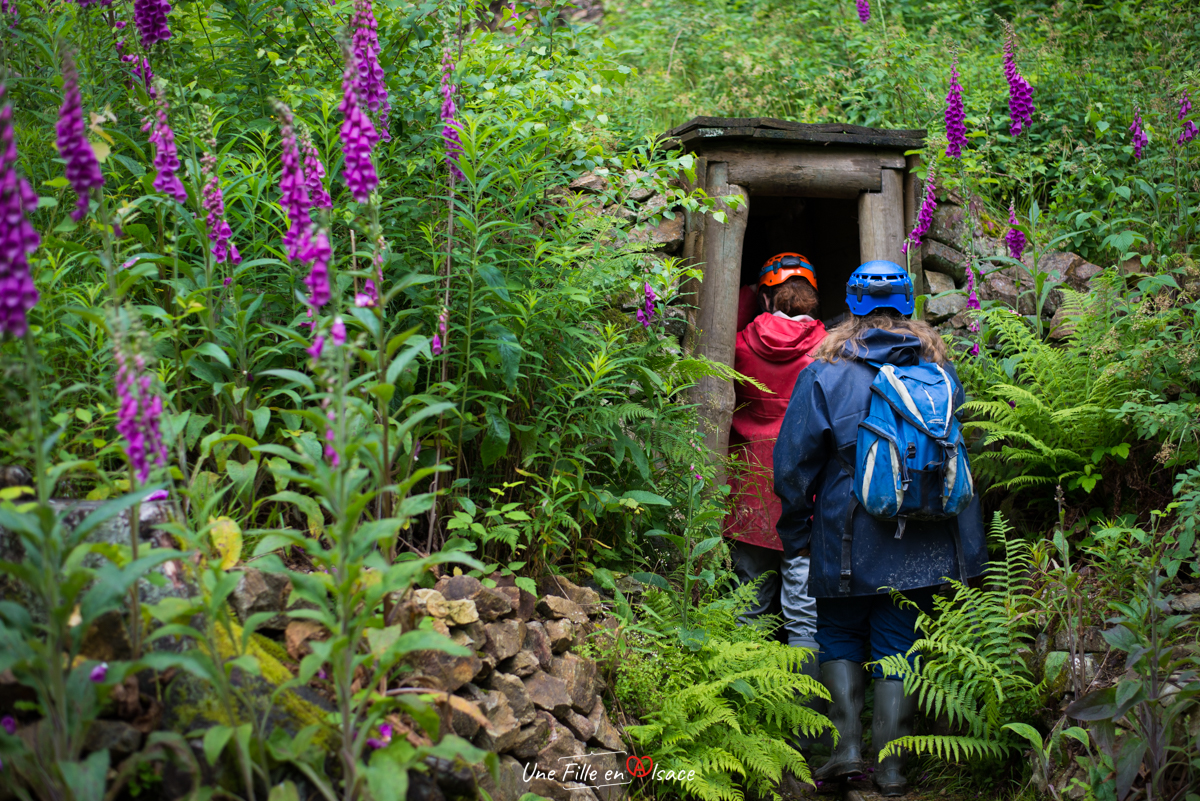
693, 255
912, 202
881, 220
717, 316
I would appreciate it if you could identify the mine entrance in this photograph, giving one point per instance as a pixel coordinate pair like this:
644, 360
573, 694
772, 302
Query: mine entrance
825, 230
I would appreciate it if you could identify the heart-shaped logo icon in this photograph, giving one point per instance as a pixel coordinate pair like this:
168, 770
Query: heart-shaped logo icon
640, 767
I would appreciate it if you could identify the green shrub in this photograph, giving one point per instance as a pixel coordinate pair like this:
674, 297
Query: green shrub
731, 697
971, 662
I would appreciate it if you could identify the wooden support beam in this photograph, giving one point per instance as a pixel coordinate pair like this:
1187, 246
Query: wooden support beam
693, 255
717, 315
912, 203
787, 171
881, 220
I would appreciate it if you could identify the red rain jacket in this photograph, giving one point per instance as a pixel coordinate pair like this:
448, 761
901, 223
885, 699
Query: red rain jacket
772, 350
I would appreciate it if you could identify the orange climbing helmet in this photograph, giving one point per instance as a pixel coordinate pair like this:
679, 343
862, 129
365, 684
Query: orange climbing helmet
783, 266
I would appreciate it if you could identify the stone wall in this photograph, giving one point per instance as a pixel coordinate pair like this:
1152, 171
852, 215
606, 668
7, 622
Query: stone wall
524, 693
632, 200
949, 246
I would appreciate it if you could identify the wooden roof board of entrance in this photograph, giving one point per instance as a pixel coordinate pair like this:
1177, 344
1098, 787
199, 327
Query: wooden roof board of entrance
699, 130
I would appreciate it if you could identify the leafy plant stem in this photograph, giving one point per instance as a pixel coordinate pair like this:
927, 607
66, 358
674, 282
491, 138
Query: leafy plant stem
135, 606
35, 417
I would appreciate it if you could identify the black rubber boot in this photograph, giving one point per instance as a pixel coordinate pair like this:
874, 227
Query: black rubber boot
846, 683
894, 713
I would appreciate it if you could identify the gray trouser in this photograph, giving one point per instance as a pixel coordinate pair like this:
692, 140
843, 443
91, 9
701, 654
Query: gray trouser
784, 591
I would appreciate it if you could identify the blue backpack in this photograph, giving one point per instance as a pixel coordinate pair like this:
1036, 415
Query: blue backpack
910, 461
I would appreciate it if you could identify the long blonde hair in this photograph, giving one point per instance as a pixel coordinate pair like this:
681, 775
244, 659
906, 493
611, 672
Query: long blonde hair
832, 348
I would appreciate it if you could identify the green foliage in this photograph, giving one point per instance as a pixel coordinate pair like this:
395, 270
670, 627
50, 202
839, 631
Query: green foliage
1048, 408
969, 666
1151, 705
717, 697
66, 584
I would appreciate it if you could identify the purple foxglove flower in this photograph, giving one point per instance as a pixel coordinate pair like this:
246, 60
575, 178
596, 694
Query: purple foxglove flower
9, 724
358, 138
385, 732
86, 3
142, 72
369, 82
99, 673
924, 217
374, 743
974, 351
150, 17
82, 169
1138, 138
365, 300
18, 238
646, 315
314, 174
318, 252
166, 157
436, 345
139, 411
317, 348
1015, 238
219, 232
450, 123
293, 186
158, 495
972, 295
337, 332
228, 282
864, 11
331, 454
1189, 128
956, 129
1020, 93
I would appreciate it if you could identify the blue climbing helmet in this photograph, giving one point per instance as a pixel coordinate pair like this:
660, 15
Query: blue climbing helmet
879, 285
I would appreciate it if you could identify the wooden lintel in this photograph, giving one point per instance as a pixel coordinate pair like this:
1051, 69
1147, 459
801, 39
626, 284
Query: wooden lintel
769, 169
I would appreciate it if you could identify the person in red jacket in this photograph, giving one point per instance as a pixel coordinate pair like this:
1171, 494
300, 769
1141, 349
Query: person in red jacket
772, 349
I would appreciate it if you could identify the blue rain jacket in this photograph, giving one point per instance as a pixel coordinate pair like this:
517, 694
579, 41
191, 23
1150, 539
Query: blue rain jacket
829, 402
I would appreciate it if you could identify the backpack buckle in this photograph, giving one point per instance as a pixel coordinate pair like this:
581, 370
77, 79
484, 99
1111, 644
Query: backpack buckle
911, 453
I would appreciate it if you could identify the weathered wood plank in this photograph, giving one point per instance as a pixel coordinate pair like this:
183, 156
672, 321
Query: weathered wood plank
693, 255
694, 140
881, 220
774, 169
909, 136
717, 315
912, 200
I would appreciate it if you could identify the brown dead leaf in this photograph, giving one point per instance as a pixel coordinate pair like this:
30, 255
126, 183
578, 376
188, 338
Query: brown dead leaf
298, 633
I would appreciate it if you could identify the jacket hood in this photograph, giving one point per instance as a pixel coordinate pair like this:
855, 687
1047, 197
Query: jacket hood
775, 339
887, 347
